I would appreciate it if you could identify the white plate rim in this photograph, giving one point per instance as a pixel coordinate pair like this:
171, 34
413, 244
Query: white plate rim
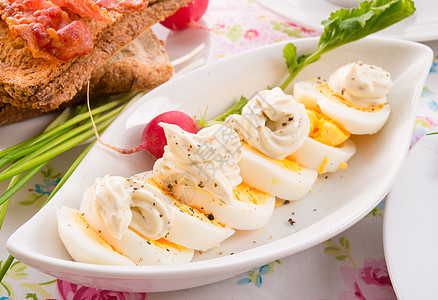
401, 209
283, 8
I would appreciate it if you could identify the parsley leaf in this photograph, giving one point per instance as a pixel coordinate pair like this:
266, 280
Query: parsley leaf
348, 25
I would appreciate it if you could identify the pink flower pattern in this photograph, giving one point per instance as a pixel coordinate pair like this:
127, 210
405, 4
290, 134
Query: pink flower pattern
71, 291
249, 25
251, 33
370, 282
302, 28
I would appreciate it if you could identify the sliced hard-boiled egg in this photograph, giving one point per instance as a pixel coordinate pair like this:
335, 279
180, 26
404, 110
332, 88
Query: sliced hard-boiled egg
306, 92
272, 126
325, 130
191, 227
137, 247
328, 147
196, 229
83, 243
355, 120
282, 178
316, 94
250, 209
126, 202
205, 165
272, 122
208, 158
323, 158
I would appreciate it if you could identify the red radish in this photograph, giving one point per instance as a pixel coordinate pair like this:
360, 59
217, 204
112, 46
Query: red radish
153, 137
186, 16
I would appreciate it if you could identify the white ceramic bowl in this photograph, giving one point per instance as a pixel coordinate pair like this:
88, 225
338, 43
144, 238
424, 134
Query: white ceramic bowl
335, 203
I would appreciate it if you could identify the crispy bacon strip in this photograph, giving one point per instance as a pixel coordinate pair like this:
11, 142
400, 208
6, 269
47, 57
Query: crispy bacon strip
99, 9
48, 30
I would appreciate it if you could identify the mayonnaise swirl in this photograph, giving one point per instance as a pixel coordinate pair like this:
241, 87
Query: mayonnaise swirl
127, 202
363, 85
207, 160
273, 123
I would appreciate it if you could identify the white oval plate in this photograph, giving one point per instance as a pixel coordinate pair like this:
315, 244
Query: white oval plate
335, 203
181, 43
421, 26
410, 223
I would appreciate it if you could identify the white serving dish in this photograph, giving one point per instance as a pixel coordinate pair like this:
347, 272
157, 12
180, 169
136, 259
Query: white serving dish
335, 203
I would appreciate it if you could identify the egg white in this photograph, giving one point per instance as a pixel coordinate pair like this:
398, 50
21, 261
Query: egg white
356, 121
242, 215
141, 250
191, 229
196, 234
306, 93
323, 158
273, 178
83, 243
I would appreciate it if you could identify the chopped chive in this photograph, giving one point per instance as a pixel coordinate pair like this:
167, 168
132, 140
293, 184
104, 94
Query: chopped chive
26, 165
20, 182
6, 266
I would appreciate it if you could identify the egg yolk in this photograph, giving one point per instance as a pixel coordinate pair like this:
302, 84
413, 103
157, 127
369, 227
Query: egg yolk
248, 194
327, 92
160, 243
90, 232
323, 165
325, 130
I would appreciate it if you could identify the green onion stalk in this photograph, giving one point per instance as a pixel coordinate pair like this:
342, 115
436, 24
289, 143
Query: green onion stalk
71, 128
5, 267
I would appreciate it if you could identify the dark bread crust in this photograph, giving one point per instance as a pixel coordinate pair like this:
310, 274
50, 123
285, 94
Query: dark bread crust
11, 114
27, 82
141, 65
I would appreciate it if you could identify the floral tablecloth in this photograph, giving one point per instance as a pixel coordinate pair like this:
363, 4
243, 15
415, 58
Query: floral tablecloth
348, 266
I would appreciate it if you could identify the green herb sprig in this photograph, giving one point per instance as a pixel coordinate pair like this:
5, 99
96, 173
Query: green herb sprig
235, 109
348, 25
342, 27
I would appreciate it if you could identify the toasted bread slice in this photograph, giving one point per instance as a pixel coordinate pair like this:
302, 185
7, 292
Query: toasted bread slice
141, 65
11, 114
35, 83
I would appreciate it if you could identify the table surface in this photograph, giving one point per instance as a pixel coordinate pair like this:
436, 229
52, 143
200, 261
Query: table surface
348, 266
